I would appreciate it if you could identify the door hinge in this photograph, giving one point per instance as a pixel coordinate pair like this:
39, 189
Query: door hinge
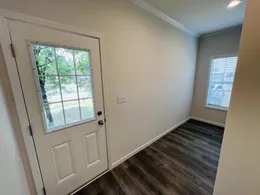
12, 50
44, 191
30, 129
105, 120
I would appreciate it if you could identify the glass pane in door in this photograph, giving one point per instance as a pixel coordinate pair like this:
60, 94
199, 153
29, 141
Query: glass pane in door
65, 85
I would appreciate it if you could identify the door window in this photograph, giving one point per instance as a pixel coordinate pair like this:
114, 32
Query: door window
65, 85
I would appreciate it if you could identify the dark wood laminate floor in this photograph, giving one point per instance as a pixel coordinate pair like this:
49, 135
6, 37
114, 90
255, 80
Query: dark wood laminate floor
184, 162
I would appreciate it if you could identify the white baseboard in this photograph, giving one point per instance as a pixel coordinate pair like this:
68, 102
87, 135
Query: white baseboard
147, 144
207, 121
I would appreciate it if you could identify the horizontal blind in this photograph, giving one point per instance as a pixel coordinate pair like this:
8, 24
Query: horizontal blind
221, 81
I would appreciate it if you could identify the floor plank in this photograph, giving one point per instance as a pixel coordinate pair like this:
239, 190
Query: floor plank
184, 162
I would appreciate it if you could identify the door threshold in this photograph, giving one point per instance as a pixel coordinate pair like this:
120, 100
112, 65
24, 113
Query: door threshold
80, 188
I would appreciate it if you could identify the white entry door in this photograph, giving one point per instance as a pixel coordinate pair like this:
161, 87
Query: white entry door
60, 75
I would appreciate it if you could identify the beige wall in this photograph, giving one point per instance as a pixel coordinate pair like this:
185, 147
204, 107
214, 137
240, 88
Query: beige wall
150, 61
215, 44
239, 170
12, 175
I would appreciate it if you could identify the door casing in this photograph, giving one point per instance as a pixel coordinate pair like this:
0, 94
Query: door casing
31, 156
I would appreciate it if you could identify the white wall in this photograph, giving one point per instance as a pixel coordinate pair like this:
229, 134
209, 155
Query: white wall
214, 44
239, 171
12, 175
150, 61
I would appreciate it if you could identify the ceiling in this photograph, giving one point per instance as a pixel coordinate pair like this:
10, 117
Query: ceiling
201, 16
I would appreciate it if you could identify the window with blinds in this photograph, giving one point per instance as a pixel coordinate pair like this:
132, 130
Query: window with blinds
221, 79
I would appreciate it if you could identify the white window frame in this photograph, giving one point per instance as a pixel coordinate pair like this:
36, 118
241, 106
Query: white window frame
220, 108
36, 77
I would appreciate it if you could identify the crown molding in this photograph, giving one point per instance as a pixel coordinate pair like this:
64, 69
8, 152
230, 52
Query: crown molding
149, 8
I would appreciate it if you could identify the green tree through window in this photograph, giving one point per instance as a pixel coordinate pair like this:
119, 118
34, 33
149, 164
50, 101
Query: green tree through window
64, 75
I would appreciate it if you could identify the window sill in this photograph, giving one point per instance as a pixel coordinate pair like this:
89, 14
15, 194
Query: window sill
217, 108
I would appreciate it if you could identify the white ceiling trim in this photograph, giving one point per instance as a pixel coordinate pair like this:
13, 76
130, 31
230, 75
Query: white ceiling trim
149, 8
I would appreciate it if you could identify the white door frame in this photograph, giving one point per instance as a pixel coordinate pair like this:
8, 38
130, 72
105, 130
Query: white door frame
13, 74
